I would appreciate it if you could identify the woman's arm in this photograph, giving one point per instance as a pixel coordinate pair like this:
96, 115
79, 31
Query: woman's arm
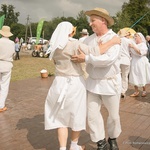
104, 47
135, 48
80, 57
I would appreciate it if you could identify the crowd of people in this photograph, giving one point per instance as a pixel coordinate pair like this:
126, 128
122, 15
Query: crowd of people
111, 64
112, 61
21, 46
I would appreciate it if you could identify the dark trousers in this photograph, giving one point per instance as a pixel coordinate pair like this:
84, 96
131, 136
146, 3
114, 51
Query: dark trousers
17, 55
148, 54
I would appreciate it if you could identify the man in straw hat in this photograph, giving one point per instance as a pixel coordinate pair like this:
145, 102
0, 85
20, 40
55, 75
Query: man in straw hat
125, 59
7, 50
104, 81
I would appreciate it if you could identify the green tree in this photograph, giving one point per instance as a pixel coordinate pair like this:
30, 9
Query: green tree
10, 15
82, 23
18, 30
131, 13
50, 26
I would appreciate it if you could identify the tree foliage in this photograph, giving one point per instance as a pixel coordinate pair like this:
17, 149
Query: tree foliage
135, 14
11, 19
10, 15
130, 13
82, 23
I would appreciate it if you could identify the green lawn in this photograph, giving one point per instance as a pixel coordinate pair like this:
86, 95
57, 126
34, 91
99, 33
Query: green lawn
30, 67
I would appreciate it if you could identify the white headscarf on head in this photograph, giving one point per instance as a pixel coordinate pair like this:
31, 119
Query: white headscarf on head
142, 37
60, 37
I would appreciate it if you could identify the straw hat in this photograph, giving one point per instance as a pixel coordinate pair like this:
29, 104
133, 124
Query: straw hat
102, 13
5, 31
126, 32
84, 31
122, 33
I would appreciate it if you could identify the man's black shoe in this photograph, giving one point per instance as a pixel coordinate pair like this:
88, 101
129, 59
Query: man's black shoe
113, 144
102, 145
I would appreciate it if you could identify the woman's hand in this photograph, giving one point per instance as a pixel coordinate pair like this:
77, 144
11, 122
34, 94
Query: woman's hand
116, 40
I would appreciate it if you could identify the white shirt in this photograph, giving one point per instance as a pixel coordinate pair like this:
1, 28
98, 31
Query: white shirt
104, 70
83, 38
125, 51
7, 49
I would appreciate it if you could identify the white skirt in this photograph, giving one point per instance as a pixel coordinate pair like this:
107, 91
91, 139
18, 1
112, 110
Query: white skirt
65, 105
139, 72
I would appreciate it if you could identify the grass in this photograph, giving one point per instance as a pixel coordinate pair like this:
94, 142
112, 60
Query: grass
30, 67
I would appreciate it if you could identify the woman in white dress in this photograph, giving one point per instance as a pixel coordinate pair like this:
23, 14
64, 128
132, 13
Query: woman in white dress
65, 105
139, 74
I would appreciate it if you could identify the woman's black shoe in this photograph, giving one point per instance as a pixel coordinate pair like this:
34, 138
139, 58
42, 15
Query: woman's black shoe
113, 144
102, 145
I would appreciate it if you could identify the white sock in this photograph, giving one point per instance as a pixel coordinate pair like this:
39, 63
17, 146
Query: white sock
62, 148
74, 144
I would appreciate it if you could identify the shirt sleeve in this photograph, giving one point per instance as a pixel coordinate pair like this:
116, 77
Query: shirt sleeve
105, 59
89, 49
142, 47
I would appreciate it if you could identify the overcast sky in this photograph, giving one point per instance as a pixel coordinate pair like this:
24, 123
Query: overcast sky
48, 9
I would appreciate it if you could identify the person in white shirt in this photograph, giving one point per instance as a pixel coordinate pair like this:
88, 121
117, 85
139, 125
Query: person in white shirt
84, 35
7, 50
65, 105
124, 60
104, 81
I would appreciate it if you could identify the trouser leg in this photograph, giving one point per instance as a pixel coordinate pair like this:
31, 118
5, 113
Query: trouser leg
124, 74
113, 122
4, 87
17, 55
95, 120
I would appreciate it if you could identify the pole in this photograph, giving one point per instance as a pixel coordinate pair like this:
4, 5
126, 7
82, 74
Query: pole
28, 25
139, 20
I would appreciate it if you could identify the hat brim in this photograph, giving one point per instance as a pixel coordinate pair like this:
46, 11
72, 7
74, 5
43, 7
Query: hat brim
101, 14
5, 34
84, 32
124, 32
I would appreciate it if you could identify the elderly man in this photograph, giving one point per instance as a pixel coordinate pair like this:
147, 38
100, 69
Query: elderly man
7, 50
104, 81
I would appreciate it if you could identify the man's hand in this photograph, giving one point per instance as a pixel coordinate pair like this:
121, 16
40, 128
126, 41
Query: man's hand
78, 58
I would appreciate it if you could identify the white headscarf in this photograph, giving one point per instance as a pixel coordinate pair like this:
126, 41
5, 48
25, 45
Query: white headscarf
60, 37
142, 37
